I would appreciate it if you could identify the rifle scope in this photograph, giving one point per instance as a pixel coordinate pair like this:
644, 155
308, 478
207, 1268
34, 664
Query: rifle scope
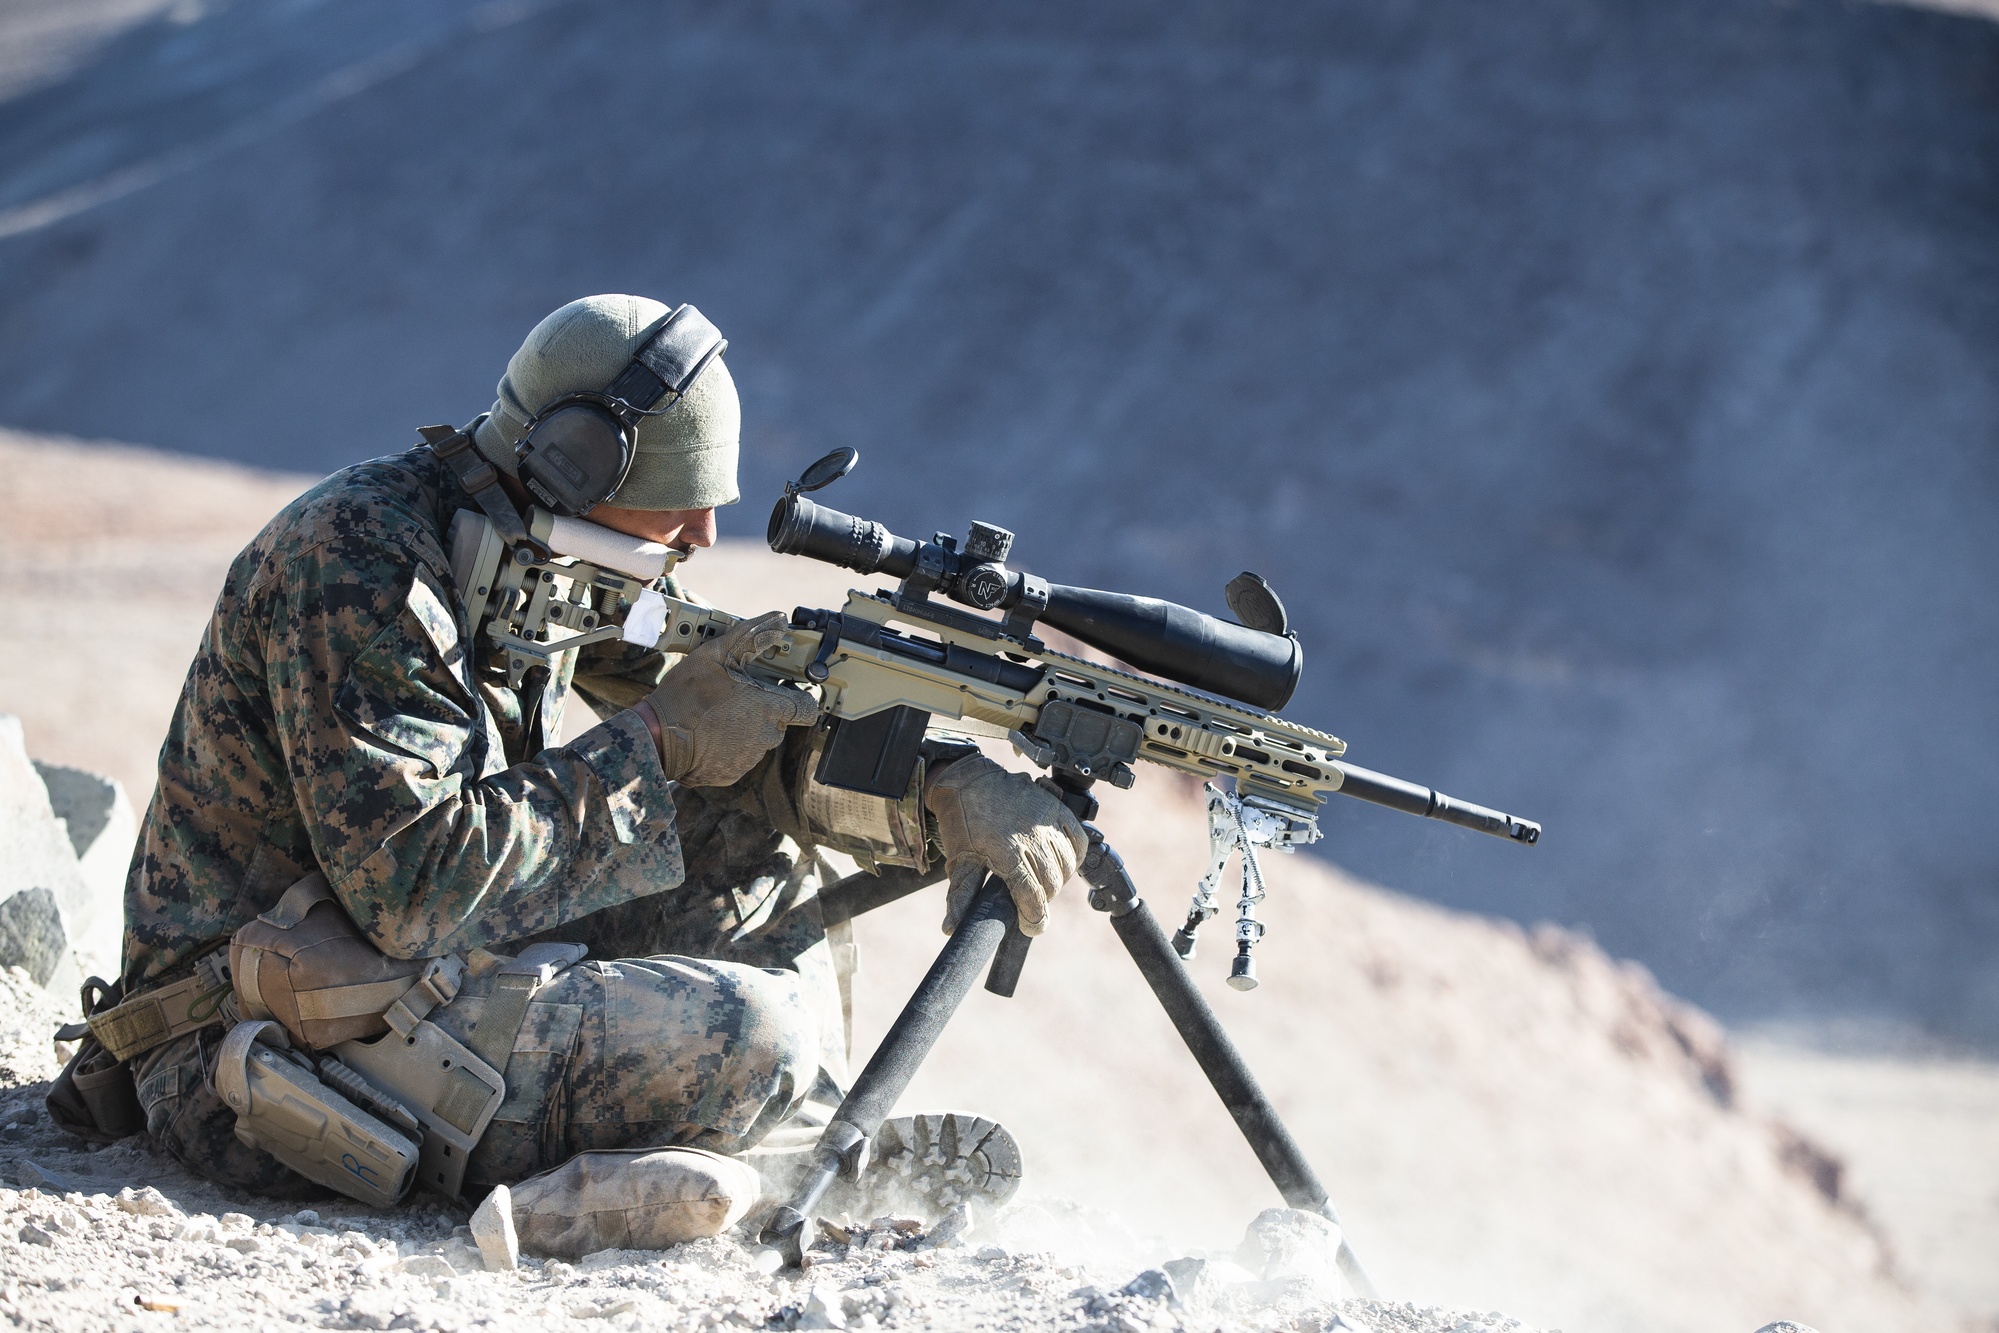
1164, 638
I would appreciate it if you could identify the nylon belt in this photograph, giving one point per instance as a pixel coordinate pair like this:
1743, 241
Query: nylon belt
507, 1007
155, 1017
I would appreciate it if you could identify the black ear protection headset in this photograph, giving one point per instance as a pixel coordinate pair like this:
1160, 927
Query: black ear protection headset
578, 449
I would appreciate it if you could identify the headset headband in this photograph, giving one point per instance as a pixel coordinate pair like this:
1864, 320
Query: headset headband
669, 361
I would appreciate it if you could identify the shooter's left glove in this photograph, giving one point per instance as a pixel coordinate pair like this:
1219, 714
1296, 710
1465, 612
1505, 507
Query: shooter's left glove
991, 821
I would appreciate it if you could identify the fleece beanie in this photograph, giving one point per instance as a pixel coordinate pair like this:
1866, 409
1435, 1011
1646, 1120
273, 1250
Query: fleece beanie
686, 456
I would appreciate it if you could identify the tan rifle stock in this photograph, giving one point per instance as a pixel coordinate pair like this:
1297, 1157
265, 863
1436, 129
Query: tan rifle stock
1091, 717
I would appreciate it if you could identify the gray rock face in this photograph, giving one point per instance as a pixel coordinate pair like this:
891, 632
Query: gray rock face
38, 871
31, 934
1606, 388
102, 828
61, 913
83, 801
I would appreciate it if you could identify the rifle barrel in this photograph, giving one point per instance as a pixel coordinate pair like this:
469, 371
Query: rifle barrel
1366, 785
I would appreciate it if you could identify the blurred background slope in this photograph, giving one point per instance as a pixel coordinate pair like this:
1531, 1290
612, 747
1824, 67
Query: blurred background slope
1608, 387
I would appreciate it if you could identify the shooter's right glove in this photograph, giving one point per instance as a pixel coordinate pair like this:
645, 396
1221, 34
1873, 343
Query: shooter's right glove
716, 720
991, 821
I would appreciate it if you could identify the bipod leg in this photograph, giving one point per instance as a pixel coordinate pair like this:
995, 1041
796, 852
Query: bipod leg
1113, 892
842, 1148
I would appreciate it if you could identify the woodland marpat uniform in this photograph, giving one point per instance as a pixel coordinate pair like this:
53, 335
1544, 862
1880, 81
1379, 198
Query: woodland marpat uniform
334, 719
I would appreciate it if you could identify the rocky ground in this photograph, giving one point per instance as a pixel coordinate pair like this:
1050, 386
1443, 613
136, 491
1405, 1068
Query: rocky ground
121, 1238
1507, 1119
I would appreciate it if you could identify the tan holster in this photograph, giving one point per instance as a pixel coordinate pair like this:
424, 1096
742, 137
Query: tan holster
305, 965
365, 1077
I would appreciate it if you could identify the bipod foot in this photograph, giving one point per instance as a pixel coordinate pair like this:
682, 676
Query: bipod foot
842, 1148
784, 1232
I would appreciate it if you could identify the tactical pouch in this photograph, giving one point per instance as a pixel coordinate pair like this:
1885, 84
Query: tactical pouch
284, 1108
126, 1029
93, 1098
307, 965
304, 968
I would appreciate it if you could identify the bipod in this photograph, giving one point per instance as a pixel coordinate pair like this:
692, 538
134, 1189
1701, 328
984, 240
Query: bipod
1112, 892
989, 934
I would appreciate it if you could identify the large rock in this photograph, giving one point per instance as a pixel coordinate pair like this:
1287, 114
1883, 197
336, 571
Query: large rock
61, 867
102, 828
31, 934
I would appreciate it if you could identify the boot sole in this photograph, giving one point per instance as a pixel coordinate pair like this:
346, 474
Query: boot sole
929, 1164
919, 1166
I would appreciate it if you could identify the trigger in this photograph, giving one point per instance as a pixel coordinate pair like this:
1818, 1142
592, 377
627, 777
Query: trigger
819, 668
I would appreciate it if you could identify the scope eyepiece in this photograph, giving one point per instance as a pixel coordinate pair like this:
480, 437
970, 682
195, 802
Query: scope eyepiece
800, 527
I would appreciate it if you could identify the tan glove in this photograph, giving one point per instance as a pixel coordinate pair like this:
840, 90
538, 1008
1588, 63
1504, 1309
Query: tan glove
715, 719
991, 821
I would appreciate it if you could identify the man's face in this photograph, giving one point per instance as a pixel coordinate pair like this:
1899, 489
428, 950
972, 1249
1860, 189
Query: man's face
682, 529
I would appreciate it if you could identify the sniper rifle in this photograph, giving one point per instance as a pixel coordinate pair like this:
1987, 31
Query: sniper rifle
889, 663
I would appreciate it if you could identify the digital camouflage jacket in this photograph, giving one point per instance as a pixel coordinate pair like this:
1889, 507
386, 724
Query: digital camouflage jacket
337, 716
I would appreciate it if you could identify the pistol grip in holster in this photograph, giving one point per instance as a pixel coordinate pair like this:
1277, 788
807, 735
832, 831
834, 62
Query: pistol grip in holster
283, 1108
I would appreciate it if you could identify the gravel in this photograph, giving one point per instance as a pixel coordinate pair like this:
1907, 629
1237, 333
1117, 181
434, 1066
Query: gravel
120, 1237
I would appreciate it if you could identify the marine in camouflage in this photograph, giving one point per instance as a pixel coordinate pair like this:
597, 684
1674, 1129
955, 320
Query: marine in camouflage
334, 718
338, 716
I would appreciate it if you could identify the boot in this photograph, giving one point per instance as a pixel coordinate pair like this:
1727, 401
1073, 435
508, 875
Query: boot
919, 1166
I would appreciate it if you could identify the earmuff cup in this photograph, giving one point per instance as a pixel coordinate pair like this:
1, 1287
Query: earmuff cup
579, 449
576, 454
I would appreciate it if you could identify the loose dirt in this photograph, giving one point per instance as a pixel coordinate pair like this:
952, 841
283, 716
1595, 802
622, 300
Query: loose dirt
122, 1238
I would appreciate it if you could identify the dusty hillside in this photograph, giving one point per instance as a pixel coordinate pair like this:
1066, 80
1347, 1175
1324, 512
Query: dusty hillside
113, 558
1508, 1121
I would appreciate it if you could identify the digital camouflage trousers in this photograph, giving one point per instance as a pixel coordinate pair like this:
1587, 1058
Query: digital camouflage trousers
627, 1053
735, 1016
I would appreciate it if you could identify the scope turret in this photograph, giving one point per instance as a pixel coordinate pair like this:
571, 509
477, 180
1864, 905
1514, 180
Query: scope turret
1164, 638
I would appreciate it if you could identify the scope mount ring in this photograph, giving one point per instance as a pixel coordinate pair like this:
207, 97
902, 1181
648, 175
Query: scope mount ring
1019, 622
